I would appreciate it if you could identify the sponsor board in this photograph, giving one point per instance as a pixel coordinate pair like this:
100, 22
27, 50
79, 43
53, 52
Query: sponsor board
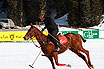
12, 36
65, 32
15, 36
18, 36
91, 34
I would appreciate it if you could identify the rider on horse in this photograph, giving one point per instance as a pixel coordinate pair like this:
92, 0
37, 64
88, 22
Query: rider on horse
52, 29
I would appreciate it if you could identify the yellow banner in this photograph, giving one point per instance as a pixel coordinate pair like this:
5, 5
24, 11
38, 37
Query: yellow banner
14, 36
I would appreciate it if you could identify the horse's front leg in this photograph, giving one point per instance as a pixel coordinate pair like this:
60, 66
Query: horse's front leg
51, 59
55, 55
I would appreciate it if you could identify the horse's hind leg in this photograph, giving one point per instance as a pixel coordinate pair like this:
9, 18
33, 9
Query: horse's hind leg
51, 59
80, 55
88, 56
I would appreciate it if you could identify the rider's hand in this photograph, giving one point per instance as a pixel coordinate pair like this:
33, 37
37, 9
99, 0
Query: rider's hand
43, 29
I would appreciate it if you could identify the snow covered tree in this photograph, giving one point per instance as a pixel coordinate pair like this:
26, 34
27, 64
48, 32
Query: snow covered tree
103, 5
31, 10
61, 8
84, 13
11, 6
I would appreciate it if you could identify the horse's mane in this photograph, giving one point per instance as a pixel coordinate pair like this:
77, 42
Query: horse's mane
40, 32
42, 39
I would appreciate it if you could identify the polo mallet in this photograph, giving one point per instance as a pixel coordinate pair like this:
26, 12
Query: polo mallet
35, 60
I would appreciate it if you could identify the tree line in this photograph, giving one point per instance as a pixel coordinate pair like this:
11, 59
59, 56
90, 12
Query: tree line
81, 13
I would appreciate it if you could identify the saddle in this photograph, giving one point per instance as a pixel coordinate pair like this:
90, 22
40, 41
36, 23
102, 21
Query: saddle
62, 39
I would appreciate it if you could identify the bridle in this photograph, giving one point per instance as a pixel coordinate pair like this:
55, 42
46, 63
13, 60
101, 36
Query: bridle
29, 36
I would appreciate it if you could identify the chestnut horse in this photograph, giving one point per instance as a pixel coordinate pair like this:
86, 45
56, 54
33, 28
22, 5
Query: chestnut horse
74, 43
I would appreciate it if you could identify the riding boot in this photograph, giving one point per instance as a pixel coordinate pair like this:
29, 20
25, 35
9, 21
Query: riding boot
58, 47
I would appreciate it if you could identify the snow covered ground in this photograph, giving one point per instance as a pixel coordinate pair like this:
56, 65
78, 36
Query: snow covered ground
16, 55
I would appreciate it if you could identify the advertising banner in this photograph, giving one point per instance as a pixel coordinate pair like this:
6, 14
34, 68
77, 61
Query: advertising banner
14, 36
91, 34
65, 32
18, 36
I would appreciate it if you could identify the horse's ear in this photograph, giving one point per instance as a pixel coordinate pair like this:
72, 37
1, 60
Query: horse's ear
31, 24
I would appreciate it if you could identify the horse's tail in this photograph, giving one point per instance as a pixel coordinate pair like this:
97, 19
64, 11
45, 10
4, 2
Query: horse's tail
83, 39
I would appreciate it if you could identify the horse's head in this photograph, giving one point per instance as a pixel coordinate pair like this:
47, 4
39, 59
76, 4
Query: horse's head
30, 32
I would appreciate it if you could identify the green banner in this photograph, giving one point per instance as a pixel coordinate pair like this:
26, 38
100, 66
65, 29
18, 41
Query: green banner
65, 32
91, 34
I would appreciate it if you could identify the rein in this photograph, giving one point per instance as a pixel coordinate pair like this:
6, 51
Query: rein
35, 44
32, 39
31, 32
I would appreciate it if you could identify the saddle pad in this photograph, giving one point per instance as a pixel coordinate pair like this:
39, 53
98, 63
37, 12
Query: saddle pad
62, 39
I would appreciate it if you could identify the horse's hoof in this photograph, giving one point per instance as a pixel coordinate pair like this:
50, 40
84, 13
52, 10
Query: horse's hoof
69, 65
92, 67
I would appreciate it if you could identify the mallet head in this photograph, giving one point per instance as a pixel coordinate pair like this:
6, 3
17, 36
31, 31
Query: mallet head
31, 66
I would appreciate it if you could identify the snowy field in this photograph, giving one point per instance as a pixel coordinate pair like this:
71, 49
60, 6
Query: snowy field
15, 55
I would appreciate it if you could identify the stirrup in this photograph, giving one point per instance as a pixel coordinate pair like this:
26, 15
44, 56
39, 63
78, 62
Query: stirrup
58, 49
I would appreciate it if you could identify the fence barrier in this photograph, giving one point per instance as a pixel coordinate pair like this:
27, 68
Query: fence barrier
18, 36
